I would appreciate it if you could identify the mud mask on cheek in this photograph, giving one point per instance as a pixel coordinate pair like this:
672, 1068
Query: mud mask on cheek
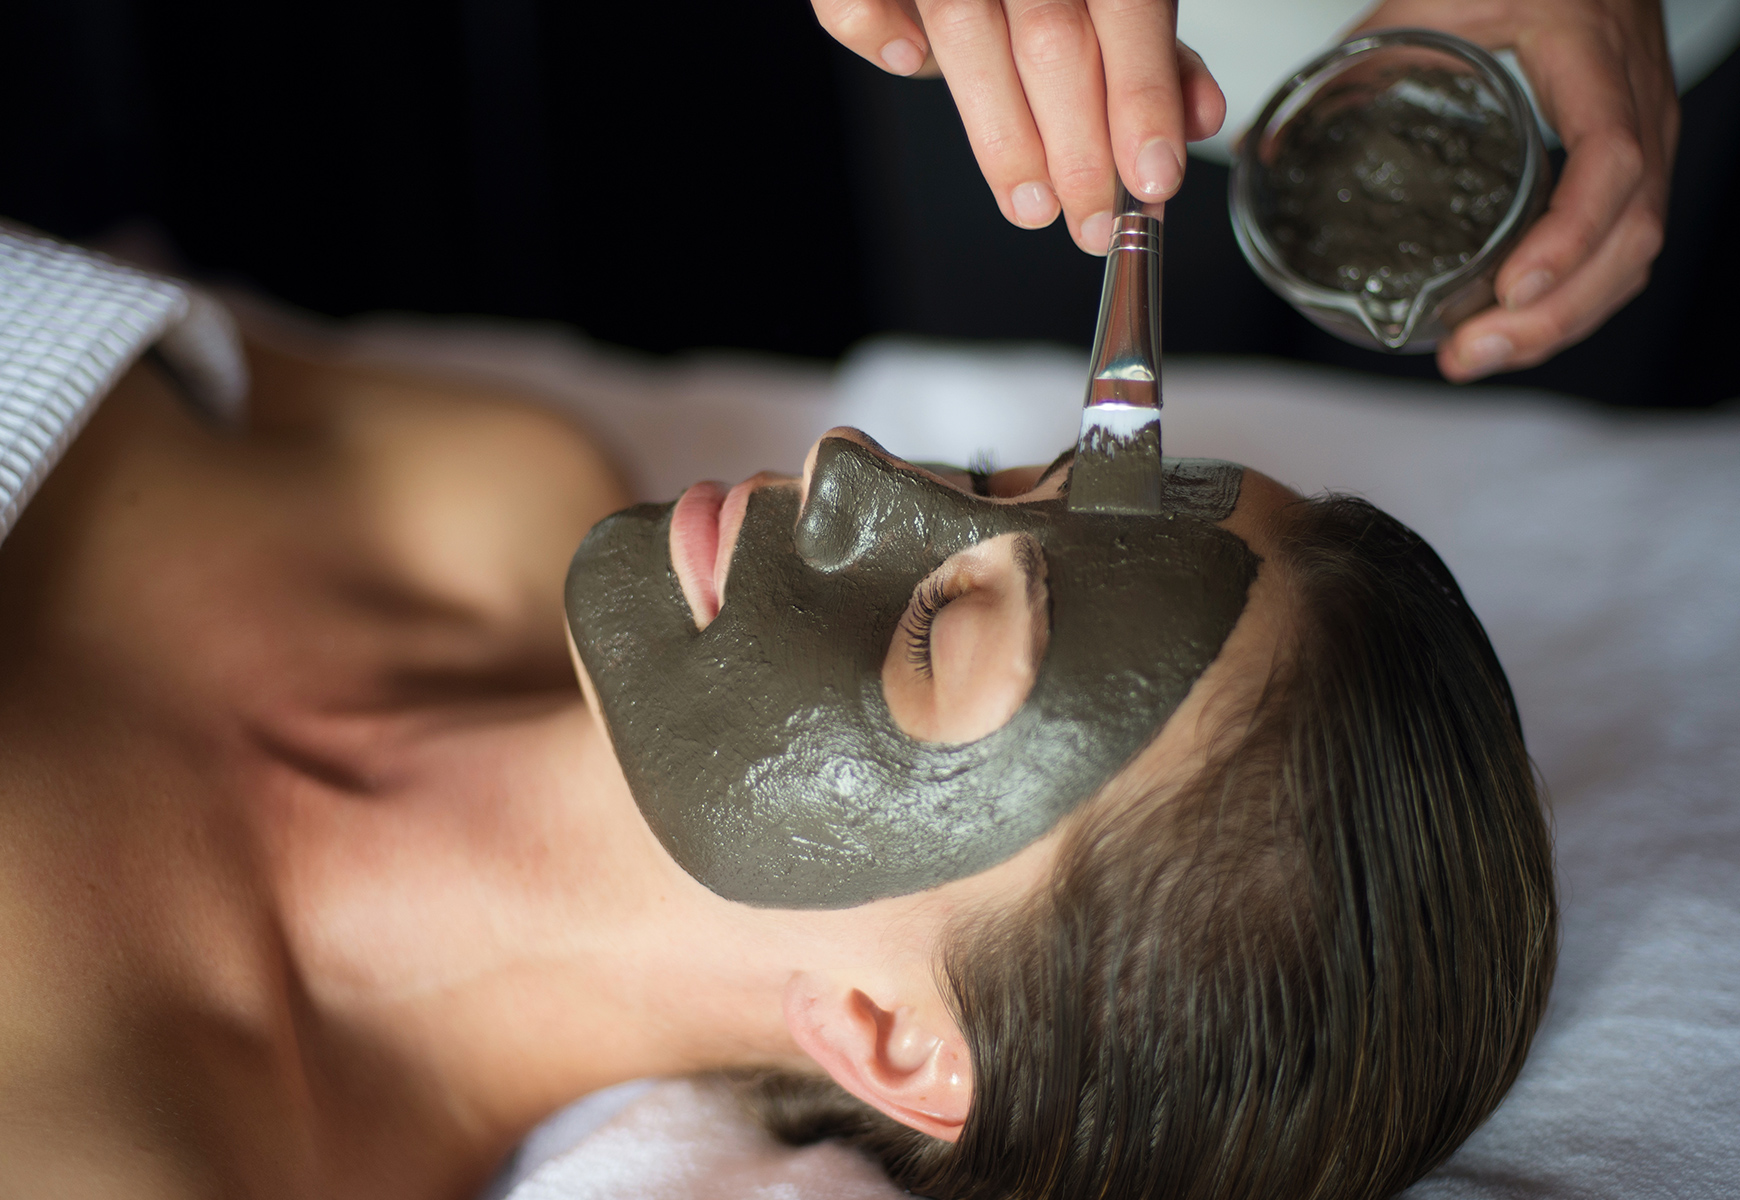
760, 749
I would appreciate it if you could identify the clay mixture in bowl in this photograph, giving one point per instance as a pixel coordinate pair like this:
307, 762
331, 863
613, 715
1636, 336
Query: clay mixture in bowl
1379, 197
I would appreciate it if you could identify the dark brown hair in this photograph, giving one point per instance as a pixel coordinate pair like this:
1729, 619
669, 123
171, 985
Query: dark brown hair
1312, 974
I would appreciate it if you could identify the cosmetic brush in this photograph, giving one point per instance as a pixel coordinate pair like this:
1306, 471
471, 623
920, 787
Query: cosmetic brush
1117, 455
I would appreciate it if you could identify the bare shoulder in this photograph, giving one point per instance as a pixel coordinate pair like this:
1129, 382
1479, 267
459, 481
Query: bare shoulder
476, 492
116, 1078
106, 1037
361, 505
191, 617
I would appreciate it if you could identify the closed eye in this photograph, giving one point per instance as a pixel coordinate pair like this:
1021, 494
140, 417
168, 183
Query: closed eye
930, 599
968, 646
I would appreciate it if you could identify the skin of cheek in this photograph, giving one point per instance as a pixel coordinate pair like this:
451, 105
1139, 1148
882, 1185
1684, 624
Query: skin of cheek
982, 664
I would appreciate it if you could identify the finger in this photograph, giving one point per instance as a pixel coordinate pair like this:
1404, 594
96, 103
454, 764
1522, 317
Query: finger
1484, 24
1204, 102
1612, 157
1502, 340
970, 40
1058, 58
1144, 102
880, 31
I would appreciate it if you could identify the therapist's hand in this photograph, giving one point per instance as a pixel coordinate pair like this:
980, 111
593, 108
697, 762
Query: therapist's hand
1601, 73
1052, 93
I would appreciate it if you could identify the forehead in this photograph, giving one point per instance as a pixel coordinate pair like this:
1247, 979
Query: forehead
1261, 511
1228, 689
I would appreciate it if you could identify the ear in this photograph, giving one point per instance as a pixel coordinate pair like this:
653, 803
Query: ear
899, 1053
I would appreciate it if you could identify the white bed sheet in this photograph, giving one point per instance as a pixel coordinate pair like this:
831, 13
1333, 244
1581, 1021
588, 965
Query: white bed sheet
1602, 551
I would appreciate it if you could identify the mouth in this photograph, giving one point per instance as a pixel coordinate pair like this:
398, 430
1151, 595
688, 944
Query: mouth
695, 545
704, 528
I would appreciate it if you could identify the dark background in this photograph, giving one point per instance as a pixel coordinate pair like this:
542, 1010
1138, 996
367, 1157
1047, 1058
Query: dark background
718, 176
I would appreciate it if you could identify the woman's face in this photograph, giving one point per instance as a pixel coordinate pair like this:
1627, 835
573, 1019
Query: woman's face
869, 681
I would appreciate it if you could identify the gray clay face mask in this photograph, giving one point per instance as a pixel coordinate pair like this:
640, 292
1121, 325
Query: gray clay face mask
760, 749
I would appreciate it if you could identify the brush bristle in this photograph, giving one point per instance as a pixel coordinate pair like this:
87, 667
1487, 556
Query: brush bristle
1117, 461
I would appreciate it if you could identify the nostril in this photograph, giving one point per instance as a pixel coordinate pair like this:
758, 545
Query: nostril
870, 443
804, 477
851, 433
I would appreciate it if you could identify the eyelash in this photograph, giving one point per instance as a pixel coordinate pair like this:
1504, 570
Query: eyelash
931, 599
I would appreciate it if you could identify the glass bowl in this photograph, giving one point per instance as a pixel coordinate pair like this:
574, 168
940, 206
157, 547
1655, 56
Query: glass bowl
1385, 183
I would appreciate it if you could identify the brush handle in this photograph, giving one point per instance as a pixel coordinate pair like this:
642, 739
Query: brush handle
1125, 367
1117, 467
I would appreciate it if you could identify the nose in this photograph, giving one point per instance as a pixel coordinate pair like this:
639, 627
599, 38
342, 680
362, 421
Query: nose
853, 496
846, 433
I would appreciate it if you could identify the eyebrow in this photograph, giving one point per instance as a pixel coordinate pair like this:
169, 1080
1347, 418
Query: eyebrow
1067, 458
1031, 561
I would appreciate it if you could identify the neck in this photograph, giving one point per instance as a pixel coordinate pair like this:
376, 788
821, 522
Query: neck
527, 940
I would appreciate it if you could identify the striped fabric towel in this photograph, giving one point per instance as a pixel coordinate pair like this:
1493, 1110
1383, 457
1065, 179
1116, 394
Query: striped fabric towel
71, 323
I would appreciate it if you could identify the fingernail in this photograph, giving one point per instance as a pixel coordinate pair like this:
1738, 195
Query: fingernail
1035, 205
902, 57
1096, 232
1528, 289
1158, 168
1486, 354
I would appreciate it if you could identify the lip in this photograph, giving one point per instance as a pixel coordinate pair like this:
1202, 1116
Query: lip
731, 515
704, 528
695, 543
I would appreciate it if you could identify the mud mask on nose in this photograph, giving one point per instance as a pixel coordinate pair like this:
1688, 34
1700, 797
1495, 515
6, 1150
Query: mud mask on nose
760, 749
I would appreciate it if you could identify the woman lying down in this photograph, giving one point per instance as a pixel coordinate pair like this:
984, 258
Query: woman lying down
1035, 853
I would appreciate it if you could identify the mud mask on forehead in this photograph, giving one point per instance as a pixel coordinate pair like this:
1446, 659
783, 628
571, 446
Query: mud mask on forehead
760, 749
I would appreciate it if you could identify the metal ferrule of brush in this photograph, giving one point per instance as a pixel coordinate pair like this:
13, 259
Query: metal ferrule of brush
1117, 465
